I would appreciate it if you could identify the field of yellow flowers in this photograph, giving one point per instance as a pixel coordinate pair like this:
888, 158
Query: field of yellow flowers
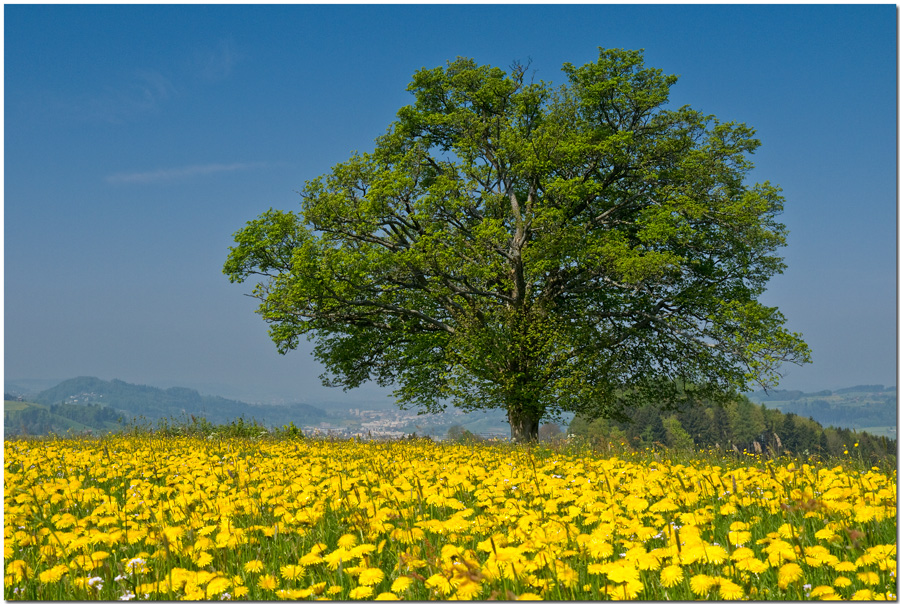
141, 516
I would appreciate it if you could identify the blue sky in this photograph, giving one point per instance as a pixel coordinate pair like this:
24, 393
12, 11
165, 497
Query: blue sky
138, 139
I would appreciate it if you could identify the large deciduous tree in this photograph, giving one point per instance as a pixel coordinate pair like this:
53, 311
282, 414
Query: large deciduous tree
511, 244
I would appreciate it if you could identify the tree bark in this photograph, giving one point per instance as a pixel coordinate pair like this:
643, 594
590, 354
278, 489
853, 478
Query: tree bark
523, 394
523, 425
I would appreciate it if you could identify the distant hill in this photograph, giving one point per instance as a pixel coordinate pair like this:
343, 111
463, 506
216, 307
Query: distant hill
178, 403
22, 417
738, 426
27, 388
872, 407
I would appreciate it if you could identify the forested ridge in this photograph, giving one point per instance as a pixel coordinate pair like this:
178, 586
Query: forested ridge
854, 407
25, 418
740, 425
91, 403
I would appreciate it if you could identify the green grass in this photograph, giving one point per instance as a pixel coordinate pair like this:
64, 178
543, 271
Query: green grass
21, 406
240, 493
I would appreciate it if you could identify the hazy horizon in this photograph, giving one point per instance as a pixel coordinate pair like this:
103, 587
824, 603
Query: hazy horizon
138, 139
263, 396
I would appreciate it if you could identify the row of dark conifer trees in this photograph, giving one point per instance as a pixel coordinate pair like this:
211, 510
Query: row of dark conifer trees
739, 426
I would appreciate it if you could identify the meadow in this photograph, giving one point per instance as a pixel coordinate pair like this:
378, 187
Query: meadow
149, 516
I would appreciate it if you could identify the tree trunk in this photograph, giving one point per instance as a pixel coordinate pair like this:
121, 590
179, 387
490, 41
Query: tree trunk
523, 425
523, 393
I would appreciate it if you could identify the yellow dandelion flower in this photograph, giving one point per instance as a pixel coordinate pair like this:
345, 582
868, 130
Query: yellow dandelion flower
600, 550
863, 594
54, 574
627, 591
293, 594
449, 551
621, 573
566, 574
310, 559
727, 509
671, 576
528, 596
779, 552
180, 577
361, 593
335, 589
347, 541
786, 531
253, 566
845, 566
467, 590
333, 559
217, 586
386, 595
371, 576
401, 584
240, 591
789, 573
439, 583
408, 536
842, 582
292, 571
821, 590
361, 550
716, 554
14, 576
664, 505
354, 571
730, 590
635, 504
203, 559
739, 537
869, 578
691, 554
596, 569
267, 582
882, 552
455, 524
753, 565
701, 584
649, 561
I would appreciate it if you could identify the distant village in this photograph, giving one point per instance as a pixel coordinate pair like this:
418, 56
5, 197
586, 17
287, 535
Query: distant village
71, 404
398, 423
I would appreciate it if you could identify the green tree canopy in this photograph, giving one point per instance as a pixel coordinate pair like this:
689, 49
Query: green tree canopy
537, 248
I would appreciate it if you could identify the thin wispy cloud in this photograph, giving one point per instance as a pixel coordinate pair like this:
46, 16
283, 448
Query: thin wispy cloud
144, 92
215, 64
170, 174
